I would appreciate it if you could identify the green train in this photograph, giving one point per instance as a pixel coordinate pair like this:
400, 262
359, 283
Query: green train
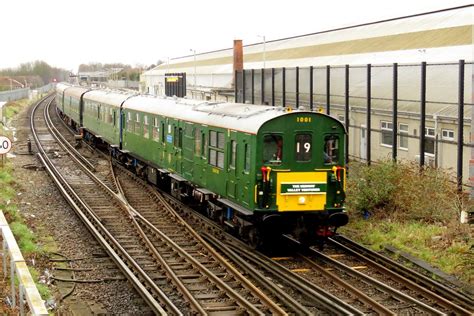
260, 171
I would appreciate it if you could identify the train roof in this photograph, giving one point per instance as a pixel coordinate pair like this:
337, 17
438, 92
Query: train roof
107, 97
246, 118
60, 87
76, 91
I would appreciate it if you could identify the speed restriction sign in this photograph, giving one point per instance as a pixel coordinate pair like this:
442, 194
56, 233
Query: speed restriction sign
5, 144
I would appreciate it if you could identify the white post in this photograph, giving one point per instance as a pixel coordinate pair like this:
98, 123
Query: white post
12, 281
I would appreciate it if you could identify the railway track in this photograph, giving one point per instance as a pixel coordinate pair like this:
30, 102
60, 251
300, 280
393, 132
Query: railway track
173, 270
348, 286
439, 295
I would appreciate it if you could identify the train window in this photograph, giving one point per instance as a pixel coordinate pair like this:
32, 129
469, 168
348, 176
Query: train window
303, 147
233, 154
247, 158
129, 122
272, 149
204, 145
216, 146
197, 142
213, 139
156, 129
163, 132
331, 149
146, 133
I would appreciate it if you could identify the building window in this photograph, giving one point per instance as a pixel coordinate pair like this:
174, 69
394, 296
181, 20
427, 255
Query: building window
403, 143
429, 140
216, 149
447, 134
387, 129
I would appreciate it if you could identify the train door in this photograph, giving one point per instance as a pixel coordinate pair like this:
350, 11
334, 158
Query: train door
187, 151
363, 142
243, 170
177, 146
232, 176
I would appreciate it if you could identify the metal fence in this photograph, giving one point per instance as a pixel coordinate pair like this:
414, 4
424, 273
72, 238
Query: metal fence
14, 94
397, 111
26, 286
24, 93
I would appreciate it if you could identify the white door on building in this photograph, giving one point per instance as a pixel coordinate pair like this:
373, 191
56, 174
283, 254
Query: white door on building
363, 142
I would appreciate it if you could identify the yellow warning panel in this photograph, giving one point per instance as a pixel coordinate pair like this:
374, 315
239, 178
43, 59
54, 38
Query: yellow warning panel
301, 191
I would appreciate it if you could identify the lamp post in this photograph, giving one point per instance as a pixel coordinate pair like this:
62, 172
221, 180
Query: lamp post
194, 52
264, 49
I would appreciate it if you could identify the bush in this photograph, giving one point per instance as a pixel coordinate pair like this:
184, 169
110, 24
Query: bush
399, 191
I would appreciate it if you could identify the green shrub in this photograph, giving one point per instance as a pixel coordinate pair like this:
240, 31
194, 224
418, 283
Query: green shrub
400, 191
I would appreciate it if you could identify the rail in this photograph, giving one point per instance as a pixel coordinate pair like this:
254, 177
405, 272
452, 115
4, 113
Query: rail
27, 287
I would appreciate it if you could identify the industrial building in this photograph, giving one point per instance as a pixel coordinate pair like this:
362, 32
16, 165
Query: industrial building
317, 63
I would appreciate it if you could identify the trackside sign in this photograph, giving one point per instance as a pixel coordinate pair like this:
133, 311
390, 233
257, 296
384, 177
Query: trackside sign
5, 145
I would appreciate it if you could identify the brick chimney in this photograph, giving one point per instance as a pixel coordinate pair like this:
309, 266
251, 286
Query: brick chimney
238, 56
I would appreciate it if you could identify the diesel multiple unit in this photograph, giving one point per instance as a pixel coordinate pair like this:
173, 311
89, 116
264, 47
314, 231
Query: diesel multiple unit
259, 170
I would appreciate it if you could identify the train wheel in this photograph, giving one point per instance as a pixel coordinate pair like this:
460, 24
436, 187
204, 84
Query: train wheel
255, 239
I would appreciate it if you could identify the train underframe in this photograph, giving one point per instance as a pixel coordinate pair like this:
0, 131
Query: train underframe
260, 229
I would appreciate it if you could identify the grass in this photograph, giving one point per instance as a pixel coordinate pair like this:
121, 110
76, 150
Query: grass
418, 213
25, 238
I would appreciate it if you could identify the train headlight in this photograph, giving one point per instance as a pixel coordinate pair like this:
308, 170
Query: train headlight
301, 200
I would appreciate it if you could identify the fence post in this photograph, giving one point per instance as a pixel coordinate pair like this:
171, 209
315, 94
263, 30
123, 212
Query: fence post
297, 87
346, 114
243, 85
311, 88
253, 86
273, 86
395, 112
283, 88
328, 90
422, 114
369, 106
460, 123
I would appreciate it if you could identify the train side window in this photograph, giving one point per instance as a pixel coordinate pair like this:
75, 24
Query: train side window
204, 145
163, 132
247, 158
331, 149
233, 154
129, 122
156, 129
272, 149
216, 149
303, 147
146, 133
197, 142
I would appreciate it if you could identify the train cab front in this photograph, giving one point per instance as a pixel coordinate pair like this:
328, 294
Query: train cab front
302, 180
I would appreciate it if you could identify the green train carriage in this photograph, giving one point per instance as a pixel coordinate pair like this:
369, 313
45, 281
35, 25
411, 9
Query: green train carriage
257, 168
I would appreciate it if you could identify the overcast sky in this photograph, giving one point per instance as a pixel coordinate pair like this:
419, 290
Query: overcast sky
66, 33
